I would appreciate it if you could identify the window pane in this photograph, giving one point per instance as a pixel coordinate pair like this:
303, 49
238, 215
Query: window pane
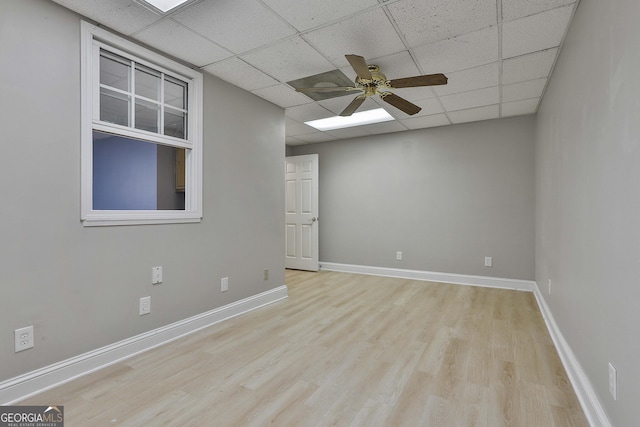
147, 82
130, 174
175, 93
115, 71
114, 107
147, 115
175, 123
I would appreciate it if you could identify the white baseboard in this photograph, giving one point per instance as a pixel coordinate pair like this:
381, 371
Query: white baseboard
591, 406
29, 384
458, 279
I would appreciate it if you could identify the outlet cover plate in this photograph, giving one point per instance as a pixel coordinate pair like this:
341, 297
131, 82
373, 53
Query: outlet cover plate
24, 338
145, 305
488, 261
156, 275
224, 284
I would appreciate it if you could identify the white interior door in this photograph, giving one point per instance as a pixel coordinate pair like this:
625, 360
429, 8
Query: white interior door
301, 189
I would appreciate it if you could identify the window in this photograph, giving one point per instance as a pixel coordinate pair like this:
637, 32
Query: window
141, 134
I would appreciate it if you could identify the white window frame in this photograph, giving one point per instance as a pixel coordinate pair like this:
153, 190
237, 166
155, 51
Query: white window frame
92, 39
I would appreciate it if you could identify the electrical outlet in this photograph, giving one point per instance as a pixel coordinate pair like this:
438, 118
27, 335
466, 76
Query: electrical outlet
613, 382
549, 286
399, 256
156, 275
266, 274
224, 284
145, 305
24, 338
488, 261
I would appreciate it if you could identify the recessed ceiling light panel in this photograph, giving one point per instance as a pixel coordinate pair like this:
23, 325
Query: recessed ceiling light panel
357, 119
163, 6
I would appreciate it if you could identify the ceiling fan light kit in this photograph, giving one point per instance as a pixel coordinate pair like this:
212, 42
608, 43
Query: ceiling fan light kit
371, 81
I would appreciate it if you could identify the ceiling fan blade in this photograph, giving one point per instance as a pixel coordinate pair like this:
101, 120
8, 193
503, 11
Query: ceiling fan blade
326, 89
359, 66
400, 103
426, 80
353, 106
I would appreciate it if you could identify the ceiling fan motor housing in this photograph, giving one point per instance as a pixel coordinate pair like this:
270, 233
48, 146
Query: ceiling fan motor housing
370, 86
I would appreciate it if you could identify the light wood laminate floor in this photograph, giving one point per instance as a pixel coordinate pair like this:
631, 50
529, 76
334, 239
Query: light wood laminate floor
344, 350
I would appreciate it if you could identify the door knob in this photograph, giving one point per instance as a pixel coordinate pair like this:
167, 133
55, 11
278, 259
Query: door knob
314, 219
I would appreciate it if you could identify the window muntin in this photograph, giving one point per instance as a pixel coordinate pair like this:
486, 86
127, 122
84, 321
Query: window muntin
145, 100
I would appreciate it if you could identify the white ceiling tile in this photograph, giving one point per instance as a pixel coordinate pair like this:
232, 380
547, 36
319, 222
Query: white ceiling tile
370, 35
426, 121
423, 22
535, 32
295, 128
385, 127
518, 108
290, 140
289, 60
238, 25
282, 95
304, 113
472, 99
241, 74
528, 67
523, 90
352, 132
471, 79
173, 38
459, 53
124, 16
513, 9
316, 137
475, 114
306, 14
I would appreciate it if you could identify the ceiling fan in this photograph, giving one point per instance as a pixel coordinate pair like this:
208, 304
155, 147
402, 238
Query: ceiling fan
372, 82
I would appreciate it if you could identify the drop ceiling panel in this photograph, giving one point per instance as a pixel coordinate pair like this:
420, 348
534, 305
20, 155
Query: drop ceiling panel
289, 60
282, 95
423, 22
428, 107
306, 14
513, 9
459, 53
528, 67
523, 90
316, 137
426, 121
536, 32
472, 99
517, 108
471, 79
295, 128
370, 35
290, 140
241, 74
353, 132
124, 16
475, 114
304, 113
385, 127
179, 41
237, 25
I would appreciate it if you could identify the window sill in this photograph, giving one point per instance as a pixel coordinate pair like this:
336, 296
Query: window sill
95, 219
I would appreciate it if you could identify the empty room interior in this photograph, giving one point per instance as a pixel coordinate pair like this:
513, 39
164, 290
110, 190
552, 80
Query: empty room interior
466, 254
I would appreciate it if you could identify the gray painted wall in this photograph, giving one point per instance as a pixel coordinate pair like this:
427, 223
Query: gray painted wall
446, 197
588, 198
79, 286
